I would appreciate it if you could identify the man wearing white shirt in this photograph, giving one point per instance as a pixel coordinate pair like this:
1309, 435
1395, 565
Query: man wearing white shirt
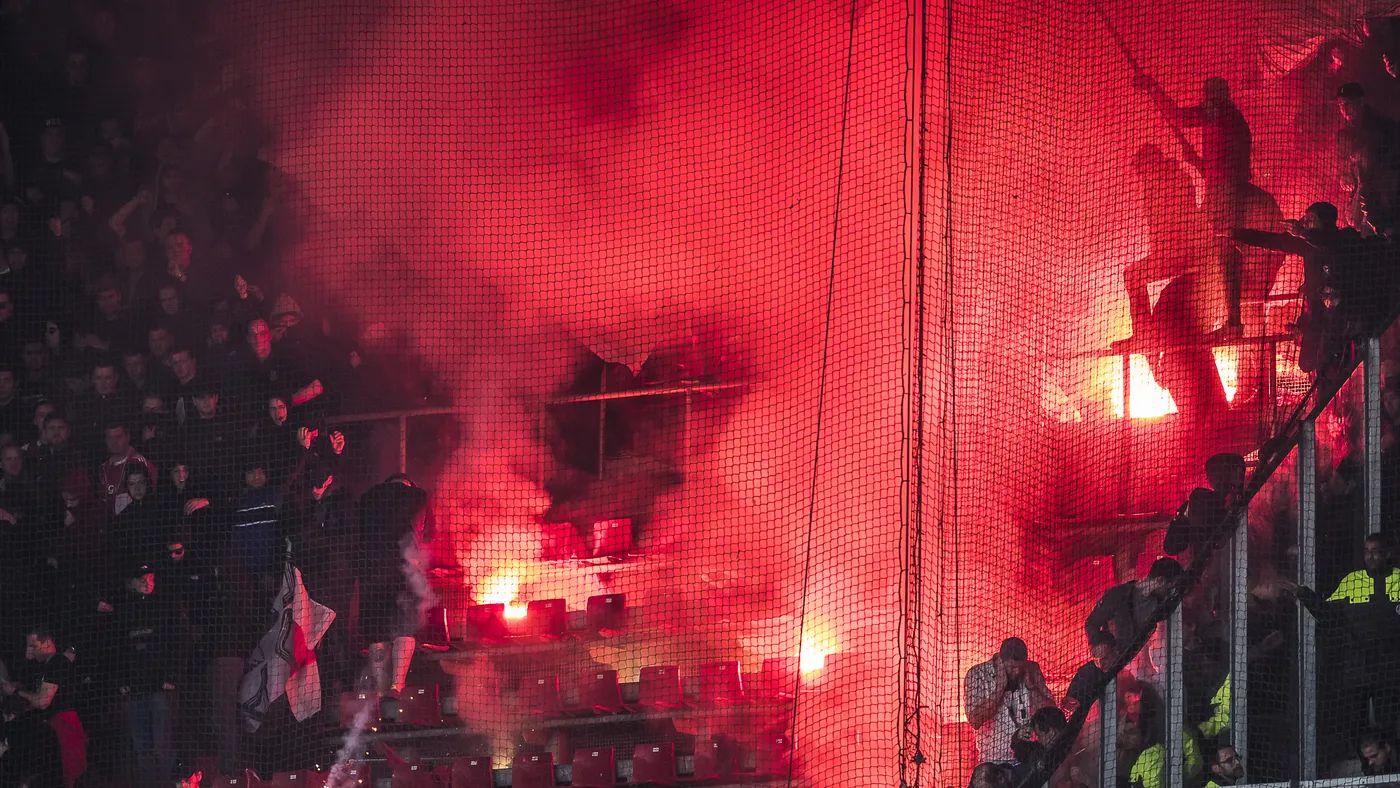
1001, 695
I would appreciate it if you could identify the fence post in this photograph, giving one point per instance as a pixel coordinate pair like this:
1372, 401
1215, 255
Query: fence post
1239, 638
1108, 735
1307, 576
1371, 370
1175, 701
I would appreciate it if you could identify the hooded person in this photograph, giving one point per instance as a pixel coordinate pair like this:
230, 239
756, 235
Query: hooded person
392, 518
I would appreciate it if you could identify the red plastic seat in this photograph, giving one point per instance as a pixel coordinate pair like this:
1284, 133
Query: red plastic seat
357, 774
546, 617
607, 613
779, 678
661, 687
420, 706
532, 770
600, 693
220, 781
352, 703
540, 694
714, 759
485, 622
442, 777
721, 684
594, 768
412, 775
654, 764
472, 773
774, 755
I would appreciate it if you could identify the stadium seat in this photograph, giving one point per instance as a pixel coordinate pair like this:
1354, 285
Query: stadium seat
485, 622
779, 679
351, 703
721, 684
654, 764
545, 617
607, 614
714, 759
419, 706
774, 754
412, 775
610, 537
560, 542
359, 774
234, 781
661, 687
594, 768
540, 694
599, 692
472, 773
442, 777
532, 770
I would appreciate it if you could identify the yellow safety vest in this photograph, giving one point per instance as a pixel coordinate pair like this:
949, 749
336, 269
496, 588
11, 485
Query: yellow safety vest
1357, 587
1150, 769
1220, 719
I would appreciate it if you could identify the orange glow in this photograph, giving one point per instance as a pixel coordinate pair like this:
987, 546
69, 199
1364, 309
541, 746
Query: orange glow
502, 588
1149, 400
1227, 363
812, 655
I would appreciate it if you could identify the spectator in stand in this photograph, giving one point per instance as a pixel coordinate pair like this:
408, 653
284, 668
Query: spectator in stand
1366, 607
38, 380
320, 523
1083, 688
112, 477
1377, 751
991, 775
182, 363
45, 690
53, 457
157, 435
141, 379
53, 177
254, 533
107, 404
182, 322
276, 371
134, 278
198, 283
159, 343
1225, 767
1368, 149
112, 327
392, 517
1149, 769
136, 533
1125, 610
12, 329
43, 409
1001, 695
209, 441
12, 416
149, 653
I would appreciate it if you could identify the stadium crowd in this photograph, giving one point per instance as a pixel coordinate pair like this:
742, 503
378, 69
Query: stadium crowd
163, 399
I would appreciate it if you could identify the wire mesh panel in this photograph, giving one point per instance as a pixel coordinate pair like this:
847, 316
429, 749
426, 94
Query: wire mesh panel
864, 392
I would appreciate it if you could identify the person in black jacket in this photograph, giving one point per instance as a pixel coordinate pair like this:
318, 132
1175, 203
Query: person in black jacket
320, 524
1126, 609
148, 652
392, 515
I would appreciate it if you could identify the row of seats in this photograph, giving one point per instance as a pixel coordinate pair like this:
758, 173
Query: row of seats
652, 764
661, 687
718, 684
605, 614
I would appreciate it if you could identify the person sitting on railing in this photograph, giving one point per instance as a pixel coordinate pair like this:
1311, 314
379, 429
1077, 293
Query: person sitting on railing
1377, 752
1367, 603
1001, 694
1225, 766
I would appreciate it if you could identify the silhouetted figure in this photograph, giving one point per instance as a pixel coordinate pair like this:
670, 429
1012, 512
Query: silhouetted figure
1368, 147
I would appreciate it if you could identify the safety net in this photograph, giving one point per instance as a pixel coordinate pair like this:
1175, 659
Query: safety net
615, 392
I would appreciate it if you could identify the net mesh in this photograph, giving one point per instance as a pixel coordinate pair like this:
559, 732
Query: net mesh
592, 393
